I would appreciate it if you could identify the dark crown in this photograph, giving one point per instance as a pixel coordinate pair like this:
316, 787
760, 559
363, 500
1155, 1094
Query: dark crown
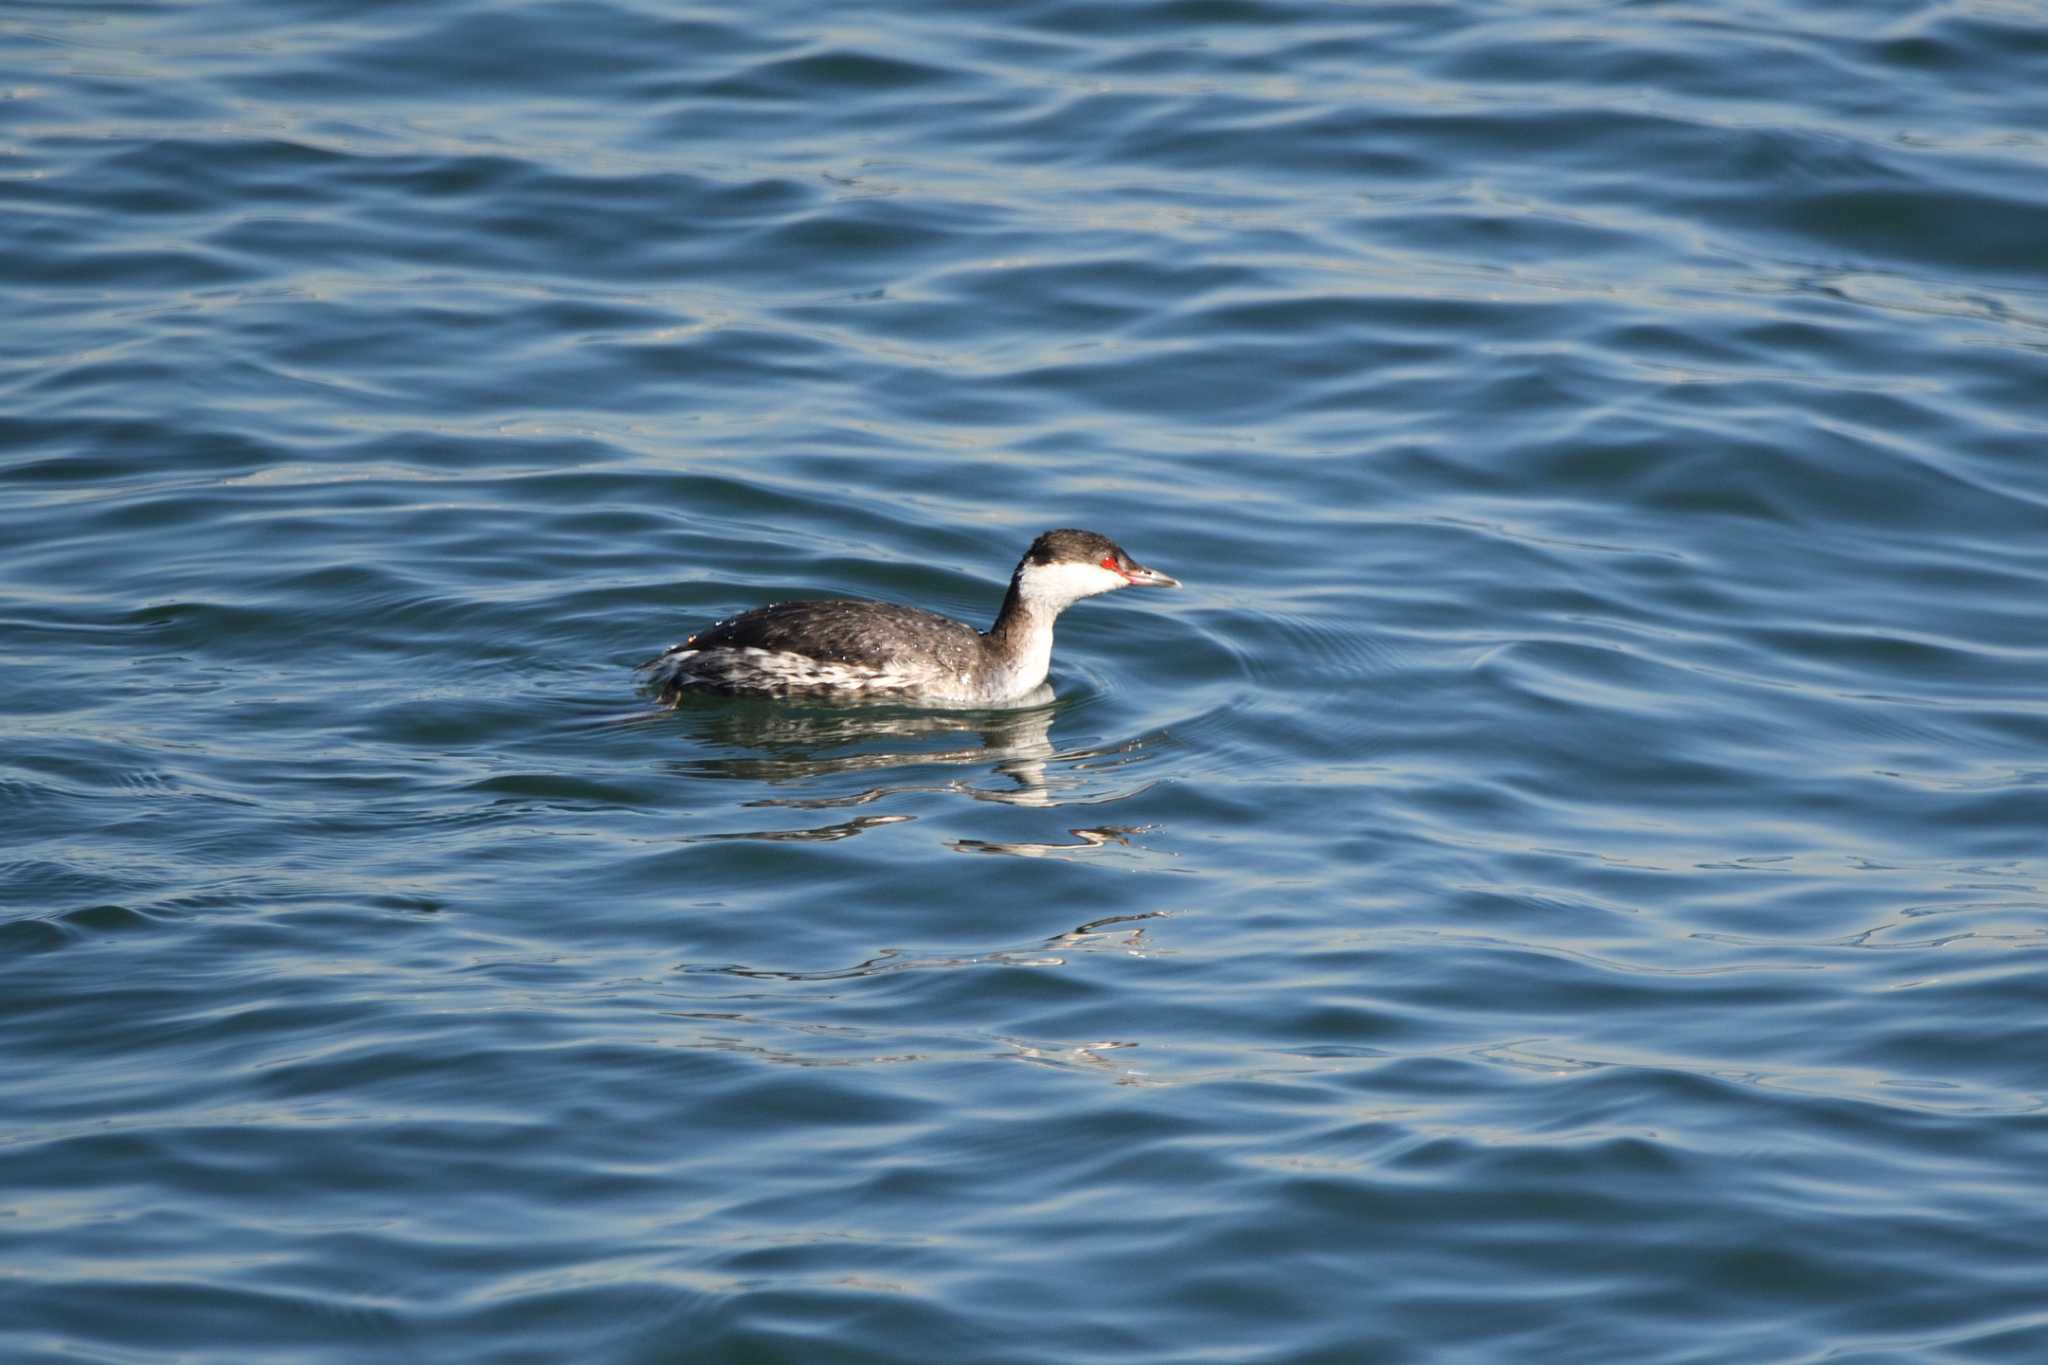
1070, 546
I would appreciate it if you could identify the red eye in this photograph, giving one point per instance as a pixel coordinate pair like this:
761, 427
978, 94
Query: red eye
1109, 563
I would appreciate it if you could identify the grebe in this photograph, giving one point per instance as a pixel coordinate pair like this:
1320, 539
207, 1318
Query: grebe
856, 650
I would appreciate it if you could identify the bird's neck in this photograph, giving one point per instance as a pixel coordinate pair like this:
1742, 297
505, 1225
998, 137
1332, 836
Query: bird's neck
1022, 634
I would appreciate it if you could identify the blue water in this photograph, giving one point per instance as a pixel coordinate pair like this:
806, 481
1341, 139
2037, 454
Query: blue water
1564, 881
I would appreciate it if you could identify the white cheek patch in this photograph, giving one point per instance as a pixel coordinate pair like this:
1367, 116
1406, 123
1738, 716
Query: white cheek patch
1069, 582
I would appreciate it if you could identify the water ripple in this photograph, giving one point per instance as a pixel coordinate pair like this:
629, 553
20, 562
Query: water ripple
1576, 837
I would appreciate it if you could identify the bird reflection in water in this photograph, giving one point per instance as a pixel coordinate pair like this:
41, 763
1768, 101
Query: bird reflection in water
786, 745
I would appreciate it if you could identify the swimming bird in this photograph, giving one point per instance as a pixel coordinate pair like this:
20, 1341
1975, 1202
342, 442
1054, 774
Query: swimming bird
855, 649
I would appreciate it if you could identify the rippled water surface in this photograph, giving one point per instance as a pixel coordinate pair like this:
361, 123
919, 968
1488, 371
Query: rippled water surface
1564, 881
